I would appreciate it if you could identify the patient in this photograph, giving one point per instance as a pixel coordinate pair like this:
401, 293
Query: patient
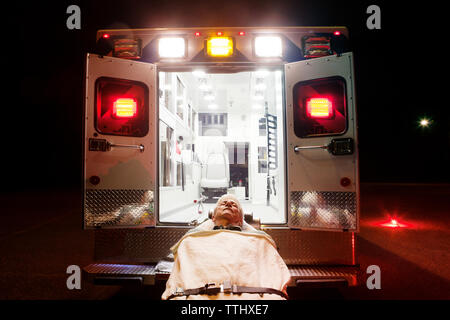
226, 258
228, 213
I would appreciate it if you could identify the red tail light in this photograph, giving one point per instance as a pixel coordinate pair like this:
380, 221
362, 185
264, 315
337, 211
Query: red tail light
124, 108
319, 107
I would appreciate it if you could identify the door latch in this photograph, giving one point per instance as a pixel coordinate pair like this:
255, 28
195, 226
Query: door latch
103, 145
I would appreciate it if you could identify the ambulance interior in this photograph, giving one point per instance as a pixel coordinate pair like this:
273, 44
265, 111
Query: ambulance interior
221, 133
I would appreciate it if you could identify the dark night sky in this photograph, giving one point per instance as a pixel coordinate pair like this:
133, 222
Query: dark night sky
397, 79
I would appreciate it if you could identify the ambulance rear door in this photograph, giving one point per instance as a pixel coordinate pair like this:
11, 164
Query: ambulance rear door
322, 157
119, 146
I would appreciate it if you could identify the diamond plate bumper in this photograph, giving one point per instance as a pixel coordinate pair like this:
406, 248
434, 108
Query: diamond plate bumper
323, 210
118, 208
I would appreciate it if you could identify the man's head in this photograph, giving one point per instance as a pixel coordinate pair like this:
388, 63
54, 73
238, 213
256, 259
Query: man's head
228, 211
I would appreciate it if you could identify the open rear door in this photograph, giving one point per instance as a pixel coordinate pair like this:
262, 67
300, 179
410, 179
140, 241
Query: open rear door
119, 147
323, 181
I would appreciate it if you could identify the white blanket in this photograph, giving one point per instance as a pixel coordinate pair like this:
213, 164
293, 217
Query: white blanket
246, 258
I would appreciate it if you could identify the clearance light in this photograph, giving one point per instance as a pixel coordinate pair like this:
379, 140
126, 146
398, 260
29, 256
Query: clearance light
337, 33
106, 36
319, 108
124, 108
268, 47
127, 48
316, 46
242, 33
172, 48
219, 47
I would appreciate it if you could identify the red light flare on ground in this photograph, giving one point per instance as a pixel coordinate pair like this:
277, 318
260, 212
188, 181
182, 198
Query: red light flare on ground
394, 221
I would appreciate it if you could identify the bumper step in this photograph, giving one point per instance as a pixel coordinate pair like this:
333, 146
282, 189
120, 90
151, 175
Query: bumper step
321, 276
302, 276
119, 274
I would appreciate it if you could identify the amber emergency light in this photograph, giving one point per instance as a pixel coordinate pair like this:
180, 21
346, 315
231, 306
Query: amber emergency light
219, 46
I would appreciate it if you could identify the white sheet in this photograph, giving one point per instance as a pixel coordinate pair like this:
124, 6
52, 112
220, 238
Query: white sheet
246, 258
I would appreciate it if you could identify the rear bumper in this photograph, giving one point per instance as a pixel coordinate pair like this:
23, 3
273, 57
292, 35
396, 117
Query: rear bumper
324, 276
301, 276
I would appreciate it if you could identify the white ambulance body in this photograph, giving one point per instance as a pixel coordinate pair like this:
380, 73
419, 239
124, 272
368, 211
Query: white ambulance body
174, 118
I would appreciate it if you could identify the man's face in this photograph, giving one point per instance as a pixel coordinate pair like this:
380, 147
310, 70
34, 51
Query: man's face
227, 212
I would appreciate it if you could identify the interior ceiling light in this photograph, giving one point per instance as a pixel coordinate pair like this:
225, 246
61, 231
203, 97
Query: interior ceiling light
199, 73
261, 73
209, 96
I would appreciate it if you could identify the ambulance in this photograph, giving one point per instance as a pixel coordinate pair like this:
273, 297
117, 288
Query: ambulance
176, 117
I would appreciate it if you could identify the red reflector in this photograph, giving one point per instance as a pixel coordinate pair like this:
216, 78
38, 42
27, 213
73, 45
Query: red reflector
124, 108
319, 108
345, 182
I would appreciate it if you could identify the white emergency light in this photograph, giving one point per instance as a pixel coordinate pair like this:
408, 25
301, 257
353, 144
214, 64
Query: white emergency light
172, 47
268, 46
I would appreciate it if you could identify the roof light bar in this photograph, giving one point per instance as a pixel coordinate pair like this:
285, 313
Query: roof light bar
173, 47
219, 46
268, 46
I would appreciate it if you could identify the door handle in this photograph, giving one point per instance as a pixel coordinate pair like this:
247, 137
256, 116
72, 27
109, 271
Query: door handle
103, 145
297, 148
130, 146
337, 147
